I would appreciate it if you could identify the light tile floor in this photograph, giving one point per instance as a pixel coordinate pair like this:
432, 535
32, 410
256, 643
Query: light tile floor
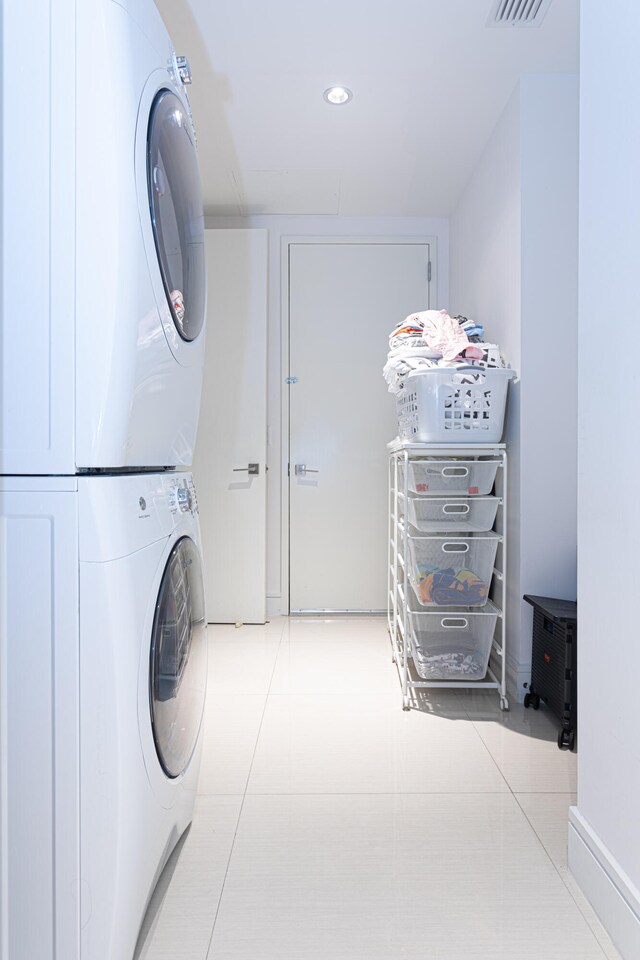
331, 825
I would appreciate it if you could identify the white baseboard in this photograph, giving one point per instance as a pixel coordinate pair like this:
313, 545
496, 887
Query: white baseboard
517, 675
610, 891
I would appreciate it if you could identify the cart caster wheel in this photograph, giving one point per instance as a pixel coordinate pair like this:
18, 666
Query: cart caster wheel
405, 704
566, 739
504, 703
535, 701
527, 700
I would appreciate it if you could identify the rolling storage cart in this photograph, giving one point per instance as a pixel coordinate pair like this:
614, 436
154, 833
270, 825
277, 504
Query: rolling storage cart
447, 566
553, 663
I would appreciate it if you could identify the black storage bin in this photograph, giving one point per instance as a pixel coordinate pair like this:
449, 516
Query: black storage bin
554, 665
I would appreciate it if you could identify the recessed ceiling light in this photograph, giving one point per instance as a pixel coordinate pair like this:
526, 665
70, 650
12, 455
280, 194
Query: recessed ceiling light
337, 95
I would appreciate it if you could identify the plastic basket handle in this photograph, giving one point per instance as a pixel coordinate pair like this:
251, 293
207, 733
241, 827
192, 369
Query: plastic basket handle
455, 471
457, 508
455, 547
454, 623
468, 368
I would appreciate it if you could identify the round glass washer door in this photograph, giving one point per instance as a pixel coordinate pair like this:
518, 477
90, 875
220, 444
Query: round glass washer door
177, 216
178, 661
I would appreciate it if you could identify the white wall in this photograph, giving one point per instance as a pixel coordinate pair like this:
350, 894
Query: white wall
513, 255
310, 226
605, 834
549, 340
485, 255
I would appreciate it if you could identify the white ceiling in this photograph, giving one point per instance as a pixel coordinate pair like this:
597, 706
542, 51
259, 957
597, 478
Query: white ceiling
429, 79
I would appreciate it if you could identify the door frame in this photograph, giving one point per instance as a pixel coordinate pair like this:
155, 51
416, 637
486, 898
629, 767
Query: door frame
285, 323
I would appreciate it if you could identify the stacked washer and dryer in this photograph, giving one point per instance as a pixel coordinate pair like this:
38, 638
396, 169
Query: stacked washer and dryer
103, 657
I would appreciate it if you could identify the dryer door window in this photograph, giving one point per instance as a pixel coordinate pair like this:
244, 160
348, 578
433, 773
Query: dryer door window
178, 667
175, 199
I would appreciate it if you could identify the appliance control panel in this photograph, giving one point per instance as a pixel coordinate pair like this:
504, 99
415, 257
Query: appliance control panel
184, 70
182, 496
180, 71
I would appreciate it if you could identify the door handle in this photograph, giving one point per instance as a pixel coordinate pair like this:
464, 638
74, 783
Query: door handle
253, 469
302, 470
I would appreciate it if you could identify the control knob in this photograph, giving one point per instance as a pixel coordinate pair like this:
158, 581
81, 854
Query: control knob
184, 498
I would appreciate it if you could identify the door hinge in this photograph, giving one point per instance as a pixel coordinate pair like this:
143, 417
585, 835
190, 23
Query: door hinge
429, 271
291, 380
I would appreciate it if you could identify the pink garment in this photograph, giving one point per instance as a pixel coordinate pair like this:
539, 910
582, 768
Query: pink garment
473, 353
443, 334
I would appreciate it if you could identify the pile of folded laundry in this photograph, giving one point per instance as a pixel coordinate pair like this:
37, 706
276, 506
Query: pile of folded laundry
434, 339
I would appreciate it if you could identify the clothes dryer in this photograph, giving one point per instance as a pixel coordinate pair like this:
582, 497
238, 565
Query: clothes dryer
104, 641
103, 242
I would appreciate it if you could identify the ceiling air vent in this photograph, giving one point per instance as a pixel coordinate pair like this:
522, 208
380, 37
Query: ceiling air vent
518, 13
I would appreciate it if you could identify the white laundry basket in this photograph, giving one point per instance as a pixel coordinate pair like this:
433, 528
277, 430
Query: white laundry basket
457, 405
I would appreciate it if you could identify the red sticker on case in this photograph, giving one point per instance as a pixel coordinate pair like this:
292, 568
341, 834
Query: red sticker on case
422, 487
473, 489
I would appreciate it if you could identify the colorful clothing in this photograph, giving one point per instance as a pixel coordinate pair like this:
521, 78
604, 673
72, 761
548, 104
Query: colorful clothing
449, 587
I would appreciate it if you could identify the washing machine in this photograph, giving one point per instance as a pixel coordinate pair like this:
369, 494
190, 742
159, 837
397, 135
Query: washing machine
104, 277
103, 644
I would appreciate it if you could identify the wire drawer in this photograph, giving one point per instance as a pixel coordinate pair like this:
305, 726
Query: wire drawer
450, 477
455, 645
449, 571
452, 514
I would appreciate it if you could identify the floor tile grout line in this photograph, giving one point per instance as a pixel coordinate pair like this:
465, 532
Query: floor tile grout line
383, 793
387, 793
557, 870
493, 759
586, 919
369, 793
280, 644
474, 722
464, 714
244, 795
535, 793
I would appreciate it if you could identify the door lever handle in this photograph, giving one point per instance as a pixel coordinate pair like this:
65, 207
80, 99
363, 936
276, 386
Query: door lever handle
301, 470
253, 469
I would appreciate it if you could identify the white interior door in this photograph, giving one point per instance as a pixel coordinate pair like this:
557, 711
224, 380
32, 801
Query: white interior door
230, 458
344, 298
